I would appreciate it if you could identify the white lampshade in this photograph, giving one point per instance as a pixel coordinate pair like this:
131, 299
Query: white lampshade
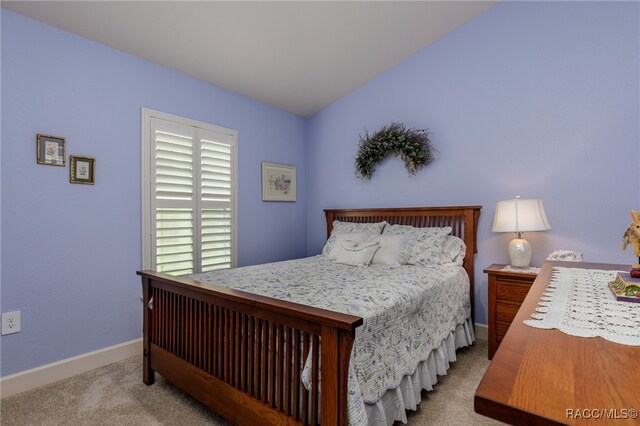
520, 215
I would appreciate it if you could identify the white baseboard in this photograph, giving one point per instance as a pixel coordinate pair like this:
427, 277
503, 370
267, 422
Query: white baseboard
40, 376
482, 331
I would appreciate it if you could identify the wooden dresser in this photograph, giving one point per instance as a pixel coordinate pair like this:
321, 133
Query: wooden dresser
545, 377
507, 291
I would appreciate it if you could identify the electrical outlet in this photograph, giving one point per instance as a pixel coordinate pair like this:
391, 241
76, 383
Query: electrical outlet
10, 322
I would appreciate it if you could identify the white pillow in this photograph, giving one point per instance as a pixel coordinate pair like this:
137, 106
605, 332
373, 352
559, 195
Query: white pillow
408, 229
394, 249
356, 253
350, 227
429, 241
335, 242
341, 227
453, 250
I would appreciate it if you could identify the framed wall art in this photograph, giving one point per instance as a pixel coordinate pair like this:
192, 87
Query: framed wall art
50, 150
82, 170
278, 182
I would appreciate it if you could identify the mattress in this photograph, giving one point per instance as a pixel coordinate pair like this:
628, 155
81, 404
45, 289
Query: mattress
409, 313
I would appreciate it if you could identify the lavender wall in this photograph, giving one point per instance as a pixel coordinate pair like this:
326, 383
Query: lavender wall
71, 251
537, 99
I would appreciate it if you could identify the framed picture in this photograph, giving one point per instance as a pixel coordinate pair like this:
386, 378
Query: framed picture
82, 170
50, 150
278, 182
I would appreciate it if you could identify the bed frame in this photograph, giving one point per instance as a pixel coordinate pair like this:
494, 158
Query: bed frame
242, 354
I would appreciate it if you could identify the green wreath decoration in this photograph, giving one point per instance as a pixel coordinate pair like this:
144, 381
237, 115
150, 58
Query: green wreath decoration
412, 145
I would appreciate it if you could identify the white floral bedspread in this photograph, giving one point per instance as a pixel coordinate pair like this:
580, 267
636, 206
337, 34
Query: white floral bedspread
407, 310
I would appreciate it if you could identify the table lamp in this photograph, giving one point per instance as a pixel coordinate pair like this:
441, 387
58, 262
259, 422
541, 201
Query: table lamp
520, 215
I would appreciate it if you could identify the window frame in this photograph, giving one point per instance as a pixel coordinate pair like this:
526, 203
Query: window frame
147, 182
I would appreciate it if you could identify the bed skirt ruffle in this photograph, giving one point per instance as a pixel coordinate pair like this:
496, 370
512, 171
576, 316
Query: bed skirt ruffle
394, 403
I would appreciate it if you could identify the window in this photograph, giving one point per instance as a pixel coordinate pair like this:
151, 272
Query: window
189, 195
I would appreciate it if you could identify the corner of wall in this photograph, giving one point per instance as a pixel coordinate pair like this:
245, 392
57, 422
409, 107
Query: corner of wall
307, 159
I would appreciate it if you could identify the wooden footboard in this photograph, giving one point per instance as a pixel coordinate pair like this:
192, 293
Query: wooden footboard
242, 355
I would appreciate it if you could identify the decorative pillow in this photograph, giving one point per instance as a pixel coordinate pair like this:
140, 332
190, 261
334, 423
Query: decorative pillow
429, 241
336, 241
407, 229
453, 250
350, 227
394, 249
342, 227
356, 253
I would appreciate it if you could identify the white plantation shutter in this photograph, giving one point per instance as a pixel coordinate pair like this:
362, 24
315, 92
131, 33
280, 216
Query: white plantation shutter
191, 190
174, 241
216, 192
174, 158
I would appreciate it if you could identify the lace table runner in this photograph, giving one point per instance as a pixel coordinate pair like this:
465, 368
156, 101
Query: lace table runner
579, 302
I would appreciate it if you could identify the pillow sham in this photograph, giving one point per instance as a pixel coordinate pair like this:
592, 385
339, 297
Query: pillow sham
428, 246
336, 241
394, 249
350, 227
408, 229
356, 253
453, 250
342, 227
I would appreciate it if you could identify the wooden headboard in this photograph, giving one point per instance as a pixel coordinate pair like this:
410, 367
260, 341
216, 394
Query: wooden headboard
462, 219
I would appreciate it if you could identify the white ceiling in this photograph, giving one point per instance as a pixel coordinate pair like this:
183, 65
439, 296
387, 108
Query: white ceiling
299, 56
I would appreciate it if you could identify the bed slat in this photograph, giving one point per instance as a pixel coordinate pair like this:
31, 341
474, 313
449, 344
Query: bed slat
272, 365
297, 362
279, 369
256, 372
218, 337
237, 343
305, 392
228, 346
264, 349
288, 360
315, 343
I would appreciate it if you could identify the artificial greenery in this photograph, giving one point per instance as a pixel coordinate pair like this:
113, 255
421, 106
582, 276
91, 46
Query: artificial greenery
412, 145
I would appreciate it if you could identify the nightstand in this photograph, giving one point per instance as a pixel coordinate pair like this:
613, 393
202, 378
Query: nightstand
507, 290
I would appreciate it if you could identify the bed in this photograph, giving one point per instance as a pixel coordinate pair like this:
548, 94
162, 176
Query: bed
256, 359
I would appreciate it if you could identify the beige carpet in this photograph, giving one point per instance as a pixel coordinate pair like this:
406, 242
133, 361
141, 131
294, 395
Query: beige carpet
115, 395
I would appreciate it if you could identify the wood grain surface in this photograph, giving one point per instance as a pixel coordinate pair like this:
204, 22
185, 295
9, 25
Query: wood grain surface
547, 377
506, 292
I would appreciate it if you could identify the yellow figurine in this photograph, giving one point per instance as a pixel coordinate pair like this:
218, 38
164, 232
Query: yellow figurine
632, 236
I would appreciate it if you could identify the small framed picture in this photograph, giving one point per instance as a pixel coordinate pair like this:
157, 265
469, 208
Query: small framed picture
278, 182
82, 170
50, 150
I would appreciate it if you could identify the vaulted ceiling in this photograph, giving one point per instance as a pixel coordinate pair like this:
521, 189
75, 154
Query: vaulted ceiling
299, 56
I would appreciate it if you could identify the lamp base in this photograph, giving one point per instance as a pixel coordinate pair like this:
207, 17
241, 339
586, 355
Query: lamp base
519, 253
